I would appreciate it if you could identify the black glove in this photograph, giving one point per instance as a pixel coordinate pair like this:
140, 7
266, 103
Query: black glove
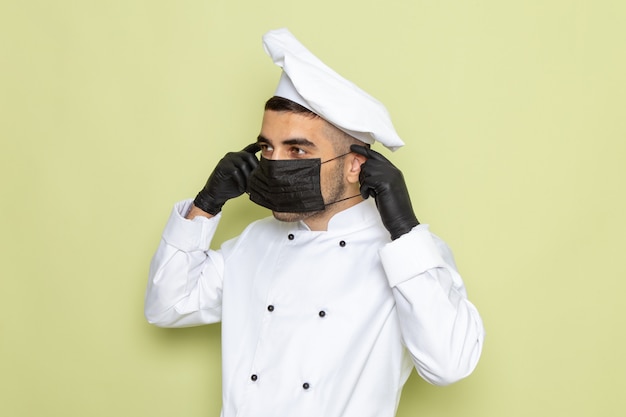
228, 180
380, 179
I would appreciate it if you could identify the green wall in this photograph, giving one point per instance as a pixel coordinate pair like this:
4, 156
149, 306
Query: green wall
110, 111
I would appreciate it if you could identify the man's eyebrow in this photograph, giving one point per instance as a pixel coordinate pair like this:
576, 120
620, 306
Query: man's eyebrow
299, 142
291, 141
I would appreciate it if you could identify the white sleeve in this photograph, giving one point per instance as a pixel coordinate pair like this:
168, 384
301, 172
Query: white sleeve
440, 327
185, 278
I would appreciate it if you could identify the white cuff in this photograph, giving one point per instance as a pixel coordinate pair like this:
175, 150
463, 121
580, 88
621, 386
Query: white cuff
410, 255
189, 235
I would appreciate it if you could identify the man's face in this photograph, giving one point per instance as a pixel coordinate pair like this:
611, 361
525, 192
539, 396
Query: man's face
287, 135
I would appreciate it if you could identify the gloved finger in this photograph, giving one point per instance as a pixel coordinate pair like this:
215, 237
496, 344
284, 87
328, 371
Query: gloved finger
248, 160
367, 188
246, 170
252, 148
243, 167
368, 153
367, 191
240, 180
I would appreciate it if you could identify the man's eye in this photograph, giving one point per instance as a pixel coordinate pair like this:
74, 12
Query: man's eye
298, 151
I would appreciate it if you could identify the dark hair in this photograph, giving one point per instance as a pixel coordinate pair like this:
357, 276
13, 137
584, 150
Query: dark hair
282, 104
339, 138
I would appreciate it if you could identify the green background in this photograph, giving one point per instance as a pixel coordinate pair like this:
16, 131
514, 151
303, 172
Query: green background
110, 111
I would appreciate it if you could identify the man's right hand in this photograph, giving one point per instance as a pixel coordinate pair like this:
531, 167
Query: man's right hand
228, 180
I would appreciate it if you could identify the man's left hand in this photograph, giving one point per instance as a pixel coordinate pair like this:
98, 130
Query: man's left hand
380, 179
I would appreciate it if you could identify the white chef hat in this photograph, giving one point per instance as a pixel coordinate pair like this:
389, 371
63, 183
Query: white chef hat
309, 82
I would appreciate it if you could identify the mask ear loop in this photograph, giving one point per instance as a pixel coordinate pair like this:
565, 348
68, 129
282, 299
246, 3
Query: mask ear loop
346, 198
336, 157
343, 199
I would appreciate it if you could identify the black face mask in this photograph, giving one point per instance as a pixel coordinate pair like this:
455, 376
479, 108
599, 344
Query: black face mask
288, 185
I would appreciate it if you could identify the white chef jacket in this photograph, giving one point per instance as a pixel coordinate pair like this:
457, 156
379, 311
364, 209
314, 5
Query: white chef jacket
320, 324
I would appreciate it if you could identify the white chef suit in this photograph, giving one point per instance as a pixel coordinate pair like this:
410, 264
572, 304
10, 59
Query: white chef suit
320, 324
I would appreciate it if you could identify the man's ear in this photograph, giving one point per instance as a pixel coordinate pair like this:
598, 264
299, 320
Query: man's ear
355, 161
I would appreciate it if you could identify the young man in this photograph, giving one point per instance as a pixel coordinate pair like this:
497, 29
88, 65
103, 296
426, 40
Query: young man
328, 305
